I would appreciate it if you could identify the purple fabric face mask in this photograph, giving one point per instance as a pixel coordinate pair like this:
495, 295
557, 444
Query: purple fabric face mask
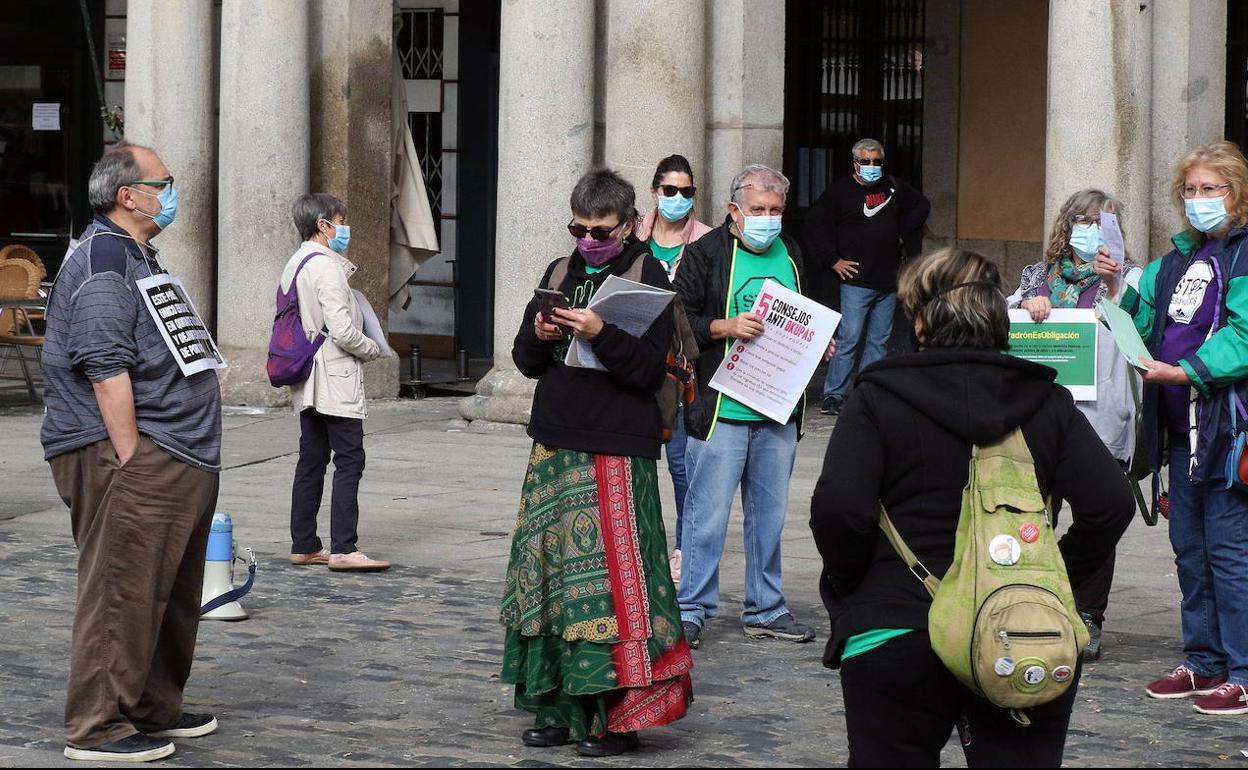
598, 253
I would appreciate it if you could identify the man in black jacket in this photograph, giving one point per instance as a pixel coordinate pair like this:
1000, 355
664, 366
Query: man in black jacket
857, 228
731, 445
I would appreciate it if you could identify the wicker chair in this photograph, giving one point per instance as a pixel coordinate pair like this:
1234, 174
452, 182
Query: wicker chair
26, 254
19, 279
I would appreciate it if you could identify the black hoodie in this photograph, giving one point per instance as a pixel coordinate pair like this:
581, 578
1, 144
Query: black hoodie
904, 438
612, 412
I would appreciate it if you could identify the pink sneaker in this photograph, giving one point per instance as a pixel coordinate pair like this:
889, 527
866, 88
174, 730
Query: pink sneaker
1184, 683
1227, 700
356, 562
673, 562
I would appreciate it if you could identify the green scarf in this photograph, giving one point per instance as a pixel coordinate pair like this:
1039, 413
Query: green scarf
1068, 280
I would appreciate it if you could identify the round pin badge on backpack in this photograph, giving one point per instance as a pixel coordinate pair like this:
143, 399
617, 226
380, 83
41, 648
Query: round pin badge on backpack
1062, 674
1004, 550
1004, 666
1029, 533
1034, 675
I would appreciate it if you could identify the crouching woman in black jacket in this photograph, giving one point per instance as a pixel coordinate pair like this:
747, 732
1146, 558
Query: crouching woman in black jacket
593, 637
904, 439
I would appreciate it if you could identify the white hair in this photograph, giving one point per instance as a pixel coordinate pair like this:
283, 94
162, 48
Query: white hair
868, 145
758, 177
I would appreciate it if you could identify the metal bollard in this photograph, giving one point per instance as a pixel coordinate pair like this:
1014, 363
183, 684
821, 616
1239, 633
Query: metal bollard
414, 364
463, 364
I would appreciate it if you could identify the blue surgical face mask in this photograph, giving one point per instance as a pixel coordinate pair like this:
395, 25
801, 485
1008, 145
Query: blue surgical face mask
341, 239
1085, 240
759, 232
1206, 214
168, 199
675, 208
870, 174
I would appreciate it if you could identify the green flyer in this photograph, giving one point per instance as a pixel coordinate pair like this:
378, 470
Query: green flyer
1066, 341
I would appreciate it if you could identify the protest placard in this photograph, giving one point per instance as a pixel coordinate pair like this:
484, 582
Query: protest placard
180, 326
770, 373
1066, 341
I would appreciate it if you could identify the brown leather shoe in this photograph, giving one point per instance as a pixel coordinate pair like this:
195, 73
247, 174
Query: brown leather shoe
356, 562
307, 559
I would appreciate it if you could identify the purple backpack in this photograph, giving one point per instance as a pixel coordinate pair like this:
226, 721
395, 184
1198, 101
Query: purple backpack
290, 352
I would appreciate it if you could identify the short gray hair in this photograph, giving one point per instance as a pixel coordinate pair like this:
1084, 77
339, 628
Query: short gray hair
601, 193
115, 169
312, 208
868, 145
758, 177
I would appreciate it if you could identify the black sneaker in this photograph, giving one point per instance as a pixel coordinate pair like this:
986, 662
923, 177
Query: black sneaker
189, 726
1093, 650
693, 633
132, 748
609, 745
830, 407
784, 627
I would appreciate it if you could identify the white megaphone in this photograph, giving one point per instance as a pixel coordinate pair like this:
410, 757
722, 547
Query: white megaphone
219, 600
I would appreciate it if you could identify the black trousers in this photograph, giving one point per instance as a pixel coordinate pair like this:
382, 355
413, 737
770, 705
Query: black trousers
901, 704
319, 435
1092, 595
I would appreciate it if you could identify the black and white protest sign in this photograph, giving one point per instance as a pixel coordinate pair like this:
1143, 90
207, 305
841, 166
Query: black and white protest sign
180, 326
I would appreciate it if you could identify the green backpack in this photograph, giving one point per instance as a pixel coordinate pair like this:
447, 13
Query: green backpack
1003, 619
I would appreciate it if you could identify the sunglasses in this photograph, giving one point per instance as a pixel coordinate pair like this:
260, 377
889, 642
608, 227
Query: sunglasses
670, 190
869, 161
597, 233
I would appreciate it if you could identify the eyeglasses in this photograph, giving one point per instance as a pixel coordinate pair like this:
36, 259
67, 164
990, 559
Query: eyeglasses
670, 190
1204, 191
597, 233
1085, 219
159, 184
869, 161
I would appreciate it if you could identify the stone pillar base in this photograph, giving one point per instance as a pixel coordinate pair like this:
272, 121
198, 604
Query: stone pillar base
503, 395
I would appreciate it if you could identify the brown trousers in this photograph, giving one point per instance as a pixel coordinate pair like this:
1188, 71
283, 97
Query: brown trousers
142, 534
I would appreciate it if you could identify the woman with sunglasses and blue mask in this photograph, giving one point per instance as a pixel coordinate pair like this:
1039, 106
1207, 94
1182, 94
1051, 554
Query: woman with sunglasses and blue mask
668, 228
1068, 278
593, 640
1192, 311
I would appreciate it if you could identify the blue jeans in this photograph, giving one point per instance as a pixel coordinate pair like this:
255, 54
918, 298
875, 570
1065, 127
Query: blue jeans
866, 318
1209, 533
757, 457
675, 452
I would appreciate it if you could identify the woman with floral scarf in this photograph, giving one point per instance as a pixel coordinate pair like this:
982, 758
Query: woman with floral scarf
1067, 278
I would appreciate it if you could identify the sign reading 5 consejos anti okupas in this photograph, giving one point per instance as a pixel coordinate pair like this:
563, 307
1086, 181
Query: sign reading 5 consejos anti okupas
770, 373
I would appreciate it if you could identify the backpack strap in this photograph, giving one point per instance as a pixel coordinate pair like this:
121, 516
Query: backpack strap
929, 581
559, 274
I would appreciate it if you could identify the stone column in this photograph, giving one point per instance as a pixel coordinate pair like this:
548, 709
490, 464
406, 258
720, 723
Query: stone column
350, 55
656, 88
545, 134
264, 155
171, 107
1099, 108
745, 95
1189, 99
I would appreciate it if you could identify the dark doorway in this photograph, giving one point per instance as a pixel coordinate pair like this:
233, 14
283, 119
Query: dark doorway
1237, 72
853, 69
50, 126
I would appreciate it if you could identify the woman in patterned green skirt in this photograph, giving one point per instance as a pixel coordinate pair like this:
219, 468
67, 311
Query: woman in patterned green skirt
593, 636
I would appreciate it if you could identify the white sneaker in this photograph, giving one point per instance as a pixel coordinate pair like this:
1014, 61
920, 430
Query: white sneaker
356, 562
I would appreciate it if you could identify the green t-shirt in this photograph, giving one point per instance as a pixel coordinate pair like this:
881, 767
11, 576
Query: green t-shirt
665, 254
749, 271
869, 640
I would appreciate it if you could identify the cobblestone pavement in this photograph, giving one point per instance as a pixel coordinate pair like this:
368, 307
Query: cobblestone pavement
401, 668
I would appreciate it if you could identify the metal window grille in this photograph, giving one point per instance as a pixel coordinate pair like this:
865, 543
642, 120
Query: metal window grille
420, 44
854, 69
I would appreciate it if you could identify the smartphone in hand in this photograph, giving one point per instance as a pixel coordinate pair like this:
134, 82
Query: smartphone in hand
547, 301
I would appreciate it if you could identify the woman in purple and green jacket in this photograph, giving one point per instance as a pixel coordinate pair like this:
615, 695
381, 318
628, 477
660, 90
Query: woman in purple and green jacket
1192, 311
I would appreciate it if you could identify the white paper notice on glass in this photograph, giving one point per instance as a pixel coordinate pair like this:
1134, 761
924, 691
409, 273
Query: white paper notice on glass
372, 326
629, 305
769, 374
1111, 231
45, 116
180, 326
